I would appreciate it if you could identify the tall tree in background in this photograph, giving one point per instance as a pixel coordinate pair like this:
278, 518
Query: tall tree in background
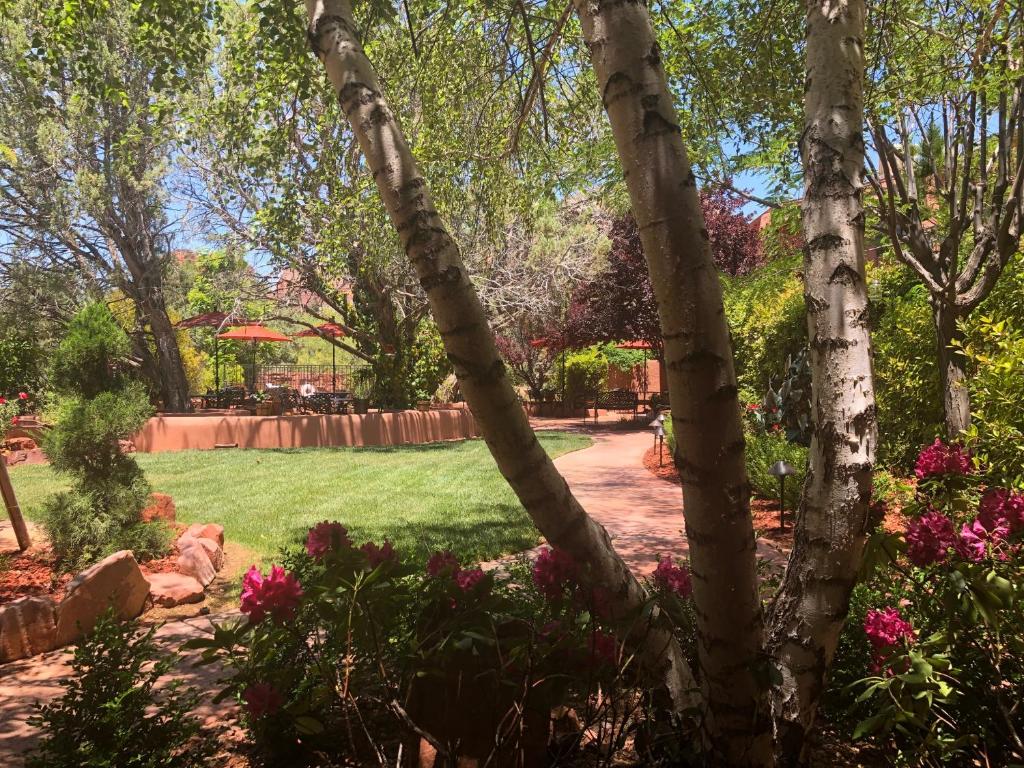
954, 214
469, 342
702, 384
834, 519
87, 121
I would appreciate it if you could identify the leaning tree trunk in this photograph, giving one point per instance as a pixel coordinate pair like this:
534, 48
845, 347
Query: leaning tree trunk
956, 398
469, 342
833, 521
174, 386
702, 383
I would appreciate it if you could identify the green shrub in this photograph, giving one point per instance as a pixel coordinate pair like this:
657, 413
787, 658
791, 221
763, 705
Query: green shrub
763, 450
586, 371
111, 716
20, 364
99, 407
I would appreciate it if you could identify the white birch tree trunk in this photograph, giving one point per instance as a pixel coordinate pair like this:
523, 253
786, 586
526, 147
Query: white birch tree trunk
469, 341
833, 521
702, 382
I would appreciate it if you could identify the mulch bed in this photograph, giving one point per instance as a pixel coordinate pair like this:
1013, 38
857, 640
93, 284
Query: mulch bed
32, 573
765, 512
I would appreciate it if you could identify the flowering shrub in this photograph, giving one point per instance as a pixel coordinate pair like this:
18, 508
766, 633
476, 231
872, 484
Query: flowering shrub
944, 627
340, 634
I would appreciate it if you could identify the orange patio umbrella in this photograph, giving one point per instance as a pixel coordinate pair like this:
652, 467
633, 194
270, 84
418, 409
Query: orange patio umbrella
210, 320
331, 331
253, 333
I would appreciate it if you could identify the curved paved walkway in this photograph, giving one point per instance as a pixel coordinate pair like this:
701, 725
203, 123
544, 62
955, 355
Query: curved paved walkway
642, 513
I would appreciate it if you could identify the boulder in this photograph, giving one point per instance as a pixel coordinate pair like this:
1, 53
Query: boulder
161, 507
211, 531
114, 581
194, 561
171, 589
215, 553
27, 626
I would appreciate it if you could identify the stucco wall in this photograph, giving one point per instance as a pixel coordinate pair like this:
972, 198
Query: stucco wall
202, 431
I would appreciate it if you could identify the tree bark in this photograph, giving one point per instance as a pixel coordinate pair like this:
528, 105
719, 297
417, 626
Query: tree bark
833, 520
956, 398
173, 382
702, 382
469, 342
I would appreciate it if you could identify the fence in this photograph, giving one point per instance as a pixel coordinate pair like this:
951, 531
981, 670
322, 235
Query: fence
343, 378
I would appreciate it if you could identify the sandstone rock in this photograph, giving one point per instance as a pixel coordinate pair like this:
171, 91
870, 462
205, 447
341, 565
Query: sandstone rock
211, 531
161, 507
115, 581
194, 561
171, 589
27, 626
215, 552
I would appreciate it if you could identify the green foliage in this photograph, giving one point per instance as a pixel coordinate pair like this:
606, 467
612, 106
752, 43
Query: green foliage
763, 450
21, 365
623, 359
92, 356
100, 407
586, 371
767, 322
430, 364
906, 376
111, 715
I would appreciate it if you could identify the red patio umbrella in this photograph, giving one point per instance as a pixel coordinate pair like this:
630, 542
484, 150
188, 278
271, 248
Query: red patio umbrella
253, 333
210, 320
332, 331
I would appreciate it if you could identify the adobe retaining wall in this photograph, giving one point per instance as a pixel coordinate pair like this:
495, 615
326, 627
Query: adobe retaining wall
206, 431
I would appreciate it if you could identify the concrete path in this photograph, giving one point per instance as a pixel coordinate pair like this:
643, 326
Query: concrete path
642, 513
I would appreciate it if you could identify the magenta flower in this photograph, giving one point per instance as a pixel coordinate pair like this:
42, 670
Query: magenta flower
929, 538
940, 459
325, 537
276, 594
469, 578
442, 562
553, 570
602, 648
262, 699
376, 555
673, 578
975, 539
1001, 508
23, 395
887, 628
3, 401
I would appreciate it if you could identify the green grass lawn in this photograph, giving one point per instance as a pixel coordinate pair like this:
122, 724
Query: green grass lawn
423, 498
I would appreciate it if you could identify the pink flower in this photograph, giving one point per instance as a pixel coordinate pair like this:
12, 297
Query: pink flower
376, 555
442, 562
673, 578
469, 578
23, 395
325, 537
602, 648
1001, 508
886, 628
939, 459
929, 537
3, 401
277, 594
553, 570
752, 406
15, 420
975, 539
262, 699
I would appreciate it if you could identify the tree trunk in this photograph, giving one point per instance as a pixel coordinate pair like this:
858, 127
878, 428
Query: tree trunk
702, 383
173, 382
833, 521
956, 398
469, 342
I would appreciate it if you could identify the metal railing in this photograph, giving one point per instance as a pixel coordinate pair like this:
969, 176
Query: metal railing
342, 378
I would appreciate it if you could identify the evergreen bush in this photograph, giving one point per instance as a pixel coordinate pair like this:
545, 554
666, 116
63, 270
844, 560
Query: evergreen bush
99, 405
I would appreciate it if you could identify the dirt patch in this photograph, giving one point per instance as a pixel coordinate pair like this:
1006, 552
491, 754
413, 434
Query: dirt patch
30, 574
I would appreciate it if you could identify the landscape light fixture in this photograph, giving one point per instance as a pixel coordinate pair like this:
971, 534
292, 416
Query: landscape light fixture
782, 470
658, 425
